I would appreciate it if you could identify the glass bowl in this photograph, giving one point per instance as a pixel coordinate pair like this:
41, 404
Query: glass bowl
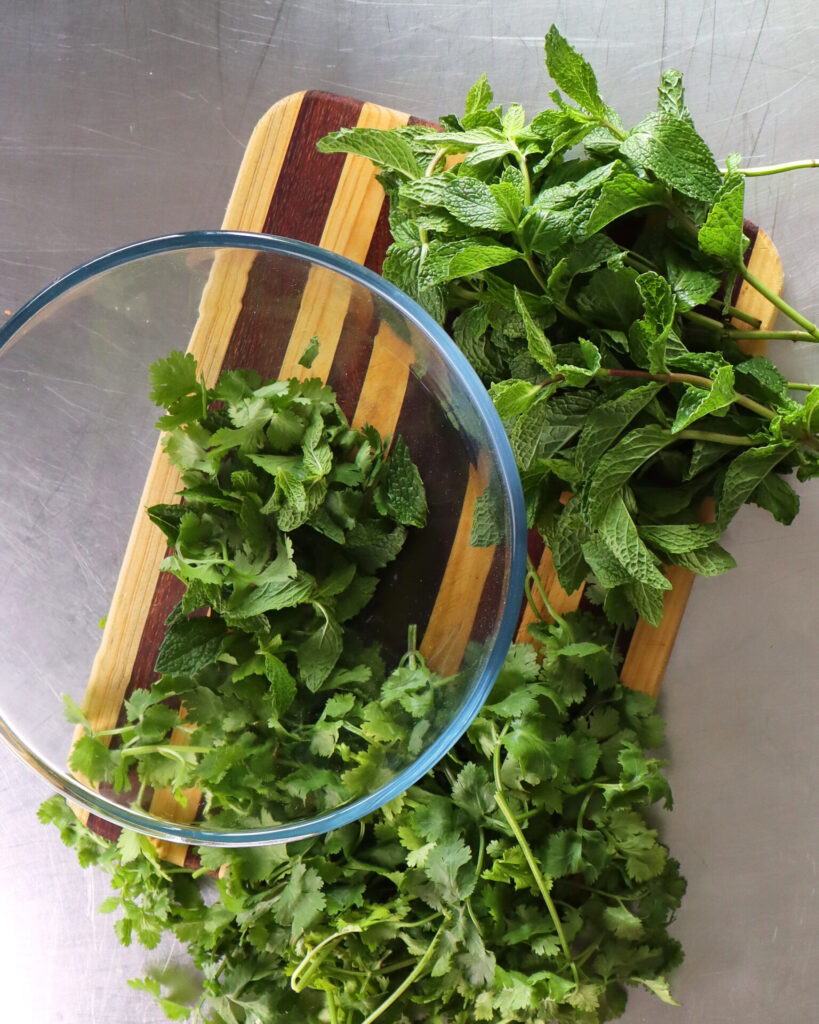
84, 604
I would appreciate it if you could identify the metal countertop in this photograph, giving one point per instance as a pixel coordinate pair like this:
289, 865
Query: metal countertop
121, 121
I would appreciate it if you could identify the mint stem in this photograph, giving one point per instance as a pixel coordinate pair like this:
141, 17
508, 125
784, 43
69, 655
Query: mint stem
696, 381
758, 172
779, 302
734, 311
709, 323
771, 335
524, 170
708, 435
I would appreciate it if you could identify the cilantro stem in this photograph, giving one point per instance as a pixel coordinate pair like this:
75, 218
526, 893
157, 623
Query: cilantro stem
778, 301
308, 963
797, 385
416, 972
399, 966
332, 1008
176, 751
582, 811
758, 172
541, 883
532, 576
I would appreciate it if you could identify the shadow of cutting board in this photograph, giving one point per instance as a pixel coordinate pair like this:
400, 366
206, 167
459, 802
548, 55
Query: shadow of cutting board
286, 187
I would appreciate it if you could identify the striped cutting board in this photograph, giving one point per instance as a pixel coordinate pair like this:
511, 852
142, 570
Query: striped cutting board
285, 187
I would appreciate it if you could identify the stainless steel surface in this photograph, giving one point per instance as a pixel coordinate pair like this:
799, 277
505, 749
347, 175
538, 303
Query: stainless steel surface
126, 120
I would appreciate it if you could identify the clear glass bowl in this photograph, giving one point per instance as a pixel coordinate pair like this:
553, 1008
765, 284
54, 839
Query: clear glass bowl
79, 442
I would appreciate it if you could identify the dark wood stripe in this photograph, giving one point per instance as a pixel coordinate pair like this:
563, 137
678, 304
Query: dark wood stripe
299, 207
352, 358
380, 241
438, 451
104, 828
486, 616
168, 593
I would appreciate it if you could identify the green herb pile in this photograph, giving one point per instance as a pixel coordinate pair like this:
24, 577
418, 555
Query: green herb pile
287, 516
591, 291
586, 270
518, 882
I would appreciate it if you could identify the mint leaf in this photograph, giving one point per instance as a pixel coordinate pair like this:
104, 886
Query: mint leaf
777, 496
742, 478
309, 354
679, 538
608, 420
402, 495
669, 147
697, 402
618, 532
618, 464
712, 560
691, 286
622, 195
671, 93
318, 654
190, 645
385, 148
648, 337
573, 74
479, 96
469, 200
721, 236
513, 397
474, 259
538, 344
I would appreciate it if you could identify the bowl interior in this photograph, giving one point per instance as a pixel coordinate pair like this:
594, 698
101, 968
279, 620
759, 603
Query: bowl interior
80, 443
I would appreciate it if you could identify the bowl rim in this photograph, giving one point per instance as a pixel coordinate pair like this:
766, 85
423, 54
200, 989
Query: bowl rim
457, 362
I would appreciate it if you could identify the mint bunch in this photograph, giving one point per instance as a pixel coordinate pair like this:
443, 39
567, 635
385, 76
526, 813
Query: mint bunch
586, 271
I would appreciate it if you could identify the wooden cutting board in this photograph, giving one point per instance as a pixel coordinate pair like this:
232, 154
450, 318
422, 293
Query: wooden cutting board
286, 187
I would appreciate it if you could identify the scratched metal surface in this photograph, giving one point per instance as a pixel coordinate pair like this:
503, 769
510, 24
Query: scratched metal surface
120, 121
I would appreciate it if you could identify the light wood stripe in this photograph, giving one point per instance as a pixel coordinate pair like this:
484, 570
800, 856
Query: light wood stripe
453, 614
261, 166
559, 600
348, 231
387, 375
650, 647
765, 264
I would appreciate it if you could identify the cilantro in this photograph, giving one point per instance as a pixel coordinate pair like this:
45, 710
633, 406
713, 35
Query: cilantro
520, 874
